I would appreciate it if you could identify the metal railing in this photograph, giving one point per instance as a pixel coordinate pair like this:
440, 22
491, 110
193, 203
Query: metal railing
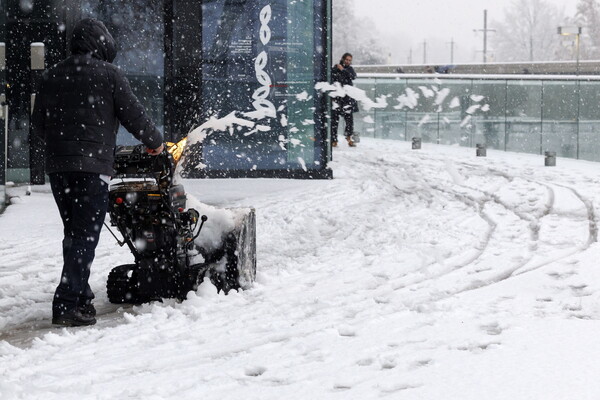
523, 113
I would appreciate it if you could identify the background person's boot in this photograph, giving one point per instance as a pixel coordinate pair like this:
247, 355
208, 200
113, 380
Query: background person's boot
350, 142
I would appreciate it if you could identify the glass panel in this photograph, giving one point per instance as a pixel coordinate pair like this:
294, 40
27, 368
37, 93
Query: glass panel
298, 93
3, 109
260, 61
559, 127
364, 121
589, 121
489, 119
452, 102
505, 114
422, 120
523, 116
390, 123
138, 29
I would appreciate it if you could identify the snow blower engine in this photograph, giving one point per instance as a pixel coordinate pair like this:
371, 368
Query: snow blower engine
149, 211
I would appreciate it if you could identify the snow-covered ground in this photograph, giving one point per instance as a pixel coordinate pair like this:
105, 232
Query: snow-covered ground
426, 274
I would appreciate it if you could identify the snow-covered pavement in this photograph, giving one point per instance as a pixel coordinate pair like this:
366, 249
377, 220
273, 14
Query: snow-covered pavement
426, 274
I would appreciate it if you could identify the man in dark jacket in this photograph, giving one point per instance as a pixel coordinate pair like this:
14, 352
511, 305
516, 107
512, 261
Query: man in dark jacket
77, 111
344, 106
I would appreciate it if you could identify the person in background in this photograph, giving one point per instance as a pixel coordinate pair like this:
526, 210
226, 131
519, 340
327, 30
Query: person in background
77, 111
343, 106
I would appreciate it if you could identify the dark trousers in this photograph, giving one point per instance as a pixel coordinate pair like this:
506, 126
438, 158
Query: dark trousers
82, 200
344, 111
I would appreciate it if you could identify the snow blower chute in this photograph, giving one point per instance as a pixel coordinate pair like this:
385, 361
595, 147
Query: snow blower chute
172, 256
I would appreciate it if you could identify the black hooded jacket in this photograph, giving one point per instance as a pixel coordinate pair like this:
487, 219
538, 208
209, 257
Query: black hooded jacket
80, 103
345, 77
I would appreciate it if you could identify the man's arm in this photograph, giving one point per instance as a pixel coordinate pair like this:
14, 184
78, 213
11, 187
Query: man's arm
132, 115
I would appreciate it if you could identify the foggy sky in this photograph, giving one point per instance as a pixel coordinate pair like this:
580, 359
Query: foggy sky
406, 24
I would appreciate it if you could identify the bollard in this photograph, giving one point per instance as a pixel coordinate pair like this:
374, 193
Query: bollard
481, 150
2, 56
37, 56
550, 159
416, 143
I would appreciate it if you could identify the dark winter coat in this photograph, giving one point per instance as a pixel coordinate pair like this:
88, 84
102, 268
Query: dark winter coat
345, 77
80, 103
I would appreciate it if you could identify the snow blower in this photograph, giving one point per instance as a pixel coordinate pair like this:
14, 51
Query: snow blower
171, 255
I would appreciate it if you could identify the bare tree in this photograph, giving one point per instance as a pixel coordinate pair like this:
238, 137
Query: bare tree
588, 17
358, 36
528, 32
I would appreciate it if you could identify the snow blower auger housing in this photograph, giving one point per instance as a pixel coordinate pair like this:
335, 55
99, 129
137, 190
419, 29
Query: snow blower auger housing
149, 211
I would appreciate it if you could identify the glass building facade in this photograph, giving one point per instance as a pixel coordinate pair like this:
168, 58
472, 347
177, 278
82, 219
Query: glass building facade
3, 110
530, 114
272, 77
191, 61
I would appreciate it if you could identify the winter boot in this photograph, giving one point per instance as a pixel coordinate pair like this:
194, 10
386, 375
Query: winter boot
88, 310
334, 144
350, 142
73, 318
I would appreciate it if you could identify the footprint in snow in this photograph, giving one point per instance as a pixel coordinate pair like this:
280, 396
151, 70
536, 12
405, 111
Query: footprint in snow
478, 347
492, 328
364, 362
256, 370
388, 362
342, 386
346, 330
396, 387
580, 290
559, 276
421, 363
381, 300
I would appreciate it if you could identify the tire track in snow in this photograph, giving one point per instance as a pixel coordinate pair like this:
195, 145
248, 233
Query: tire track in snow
548, 209
592, 237
591, 214
534, 226
471, 202
587, 203
468, 201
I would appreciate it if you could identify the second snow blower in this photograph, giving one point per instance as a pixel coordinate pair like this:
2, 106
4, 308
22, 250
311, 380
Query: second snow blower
149, 211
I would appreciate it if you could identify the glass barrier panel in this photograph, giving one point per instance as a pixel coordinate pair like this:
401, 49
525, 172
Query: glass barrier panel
488, 102
589, 120
559, 120
524, 116
390, 122
422, 120
364, 120
453, 106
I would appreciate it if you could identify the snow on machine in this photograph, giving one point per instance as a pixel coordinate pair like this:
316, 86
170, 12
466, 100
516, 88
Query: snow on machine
171, 245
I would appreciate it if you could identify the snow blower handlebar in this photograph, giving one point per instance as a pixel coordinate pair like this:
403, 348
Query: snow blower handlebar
135, 162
